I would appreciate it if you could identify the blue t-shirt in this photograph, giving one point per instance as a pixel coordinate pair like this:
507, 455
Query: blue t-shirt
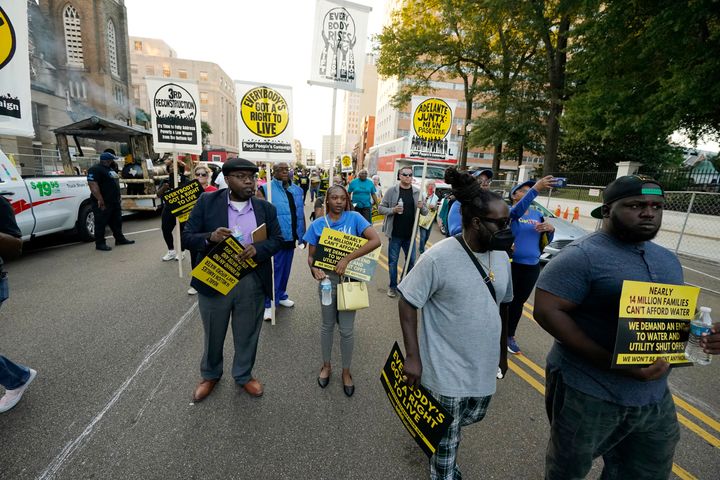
362, 191
522, 223
590, 273
349, 222
454, 218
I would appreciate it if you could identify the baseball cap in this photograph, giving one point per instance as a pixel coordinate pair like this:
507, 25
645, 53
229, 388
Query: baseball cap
527, 183
485, 171
628, 186
107, 156
234, 164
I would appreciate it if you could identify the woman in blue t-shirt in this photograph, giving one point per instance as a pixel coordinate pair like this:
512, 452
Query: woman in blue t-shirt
527, 225
339, 216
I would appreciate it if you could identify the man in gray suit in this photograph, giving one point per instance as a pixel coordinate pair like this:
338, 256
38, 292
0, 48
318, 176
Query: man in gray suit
399, 221
217, 215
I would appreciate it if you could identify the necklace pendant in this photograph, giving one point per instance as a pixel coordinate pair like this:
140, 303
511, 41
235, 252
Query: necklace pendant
491, 276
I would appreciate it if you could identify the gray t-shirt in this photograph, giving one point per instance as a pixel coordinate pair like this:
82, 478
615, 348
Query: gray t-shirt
460, 329
590, 273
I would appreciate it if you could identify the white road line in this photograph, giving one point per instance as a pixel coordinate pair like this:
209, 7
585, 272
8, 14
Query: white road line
701, 273
71, 447
79, 243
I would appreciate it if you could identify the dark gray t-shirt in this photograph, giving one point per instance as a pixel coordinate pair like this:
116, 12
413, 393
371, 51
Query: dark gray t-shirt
590, 273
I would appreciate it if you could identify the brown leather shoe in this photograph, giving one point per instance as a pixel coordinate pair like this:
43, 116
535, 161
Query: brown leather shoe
253, 387
203, 389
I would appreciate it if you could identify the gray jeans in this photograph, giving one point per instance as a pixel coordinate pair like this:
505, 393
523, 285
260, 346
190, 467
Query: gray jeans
345, 320
243, 306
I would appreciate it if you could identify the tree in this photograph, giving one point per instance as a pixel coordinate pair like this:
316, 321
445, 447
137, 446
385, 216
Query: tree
206, 132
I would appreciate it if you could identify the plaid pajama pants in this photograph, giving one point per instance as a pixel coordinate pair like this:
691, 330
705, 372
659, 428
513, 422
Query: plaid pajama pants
465, 411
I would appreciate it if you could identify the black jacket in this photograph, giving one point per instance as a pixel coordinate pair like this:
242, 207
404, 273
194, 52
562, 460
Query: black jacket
210, 213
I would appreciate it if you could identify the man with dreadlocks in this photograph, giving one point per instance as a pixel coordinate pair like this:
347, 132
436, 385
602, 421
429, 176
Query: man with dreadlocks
338, 216
462, 341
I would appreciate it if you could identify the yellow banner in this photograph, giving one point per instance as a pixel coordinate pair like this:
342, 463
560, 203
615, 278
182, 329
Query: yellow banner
221, 269
658, 300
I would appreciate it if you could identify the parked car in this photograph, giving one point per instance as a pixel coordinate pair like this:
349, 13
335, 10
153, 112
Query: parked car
565, 232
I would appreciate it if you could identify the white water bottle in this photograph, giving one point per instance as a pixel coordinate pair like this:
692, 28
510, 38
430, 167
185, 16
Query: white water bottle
701, 324
401, 205
326, 289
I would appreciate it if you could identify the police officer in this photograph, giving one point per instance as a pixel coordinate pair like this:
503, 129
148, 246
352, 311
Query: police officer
105, 188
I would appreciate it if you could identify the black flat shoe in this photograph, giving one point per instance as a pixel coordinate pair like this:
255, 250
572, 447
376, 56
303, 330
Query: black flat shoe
323, 382
103, 248
349, 390
124, 241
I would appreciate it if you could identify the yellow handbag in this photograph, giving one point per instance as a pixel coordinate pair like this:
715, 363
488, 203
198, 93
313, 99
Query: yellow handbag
352, 296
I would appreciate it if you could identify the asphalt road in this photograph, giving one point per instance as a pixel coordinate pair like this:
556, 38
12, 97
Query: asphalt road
117, 342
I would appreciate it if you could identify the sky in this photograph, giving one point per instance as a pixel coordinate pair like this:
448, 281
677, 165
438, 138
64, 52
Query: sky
268, 41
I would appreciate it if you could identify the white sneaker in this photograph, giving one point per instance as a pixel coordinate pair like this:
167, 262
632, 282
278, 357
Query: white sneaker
12, 397
286, 303
170, 255
267, 316
181, 256
192, 291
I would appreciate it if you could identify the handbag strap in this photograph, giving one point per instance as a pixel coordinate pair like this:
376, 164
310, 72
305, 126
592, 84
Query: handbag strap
485, 278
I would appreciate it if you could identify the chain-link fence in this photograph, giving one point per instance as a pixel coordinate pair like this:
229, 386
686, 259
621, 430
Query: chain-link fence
691, 224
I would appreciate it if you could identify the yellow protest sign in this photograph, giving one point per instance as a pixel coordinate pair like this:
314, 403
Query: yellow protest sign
432, 119
422, 415
265, 112
334, 245
653, 322
181, 200
346, 163
221, 269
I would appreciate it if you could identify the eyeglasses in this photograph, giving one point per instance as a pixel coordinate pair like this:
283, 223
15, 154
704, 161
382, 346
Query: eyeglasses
406, 174
499, 222
201, 174
243, 177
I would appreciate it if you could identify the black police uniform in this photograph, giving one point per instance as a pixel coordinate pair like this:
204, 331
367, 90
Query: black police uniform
107, 180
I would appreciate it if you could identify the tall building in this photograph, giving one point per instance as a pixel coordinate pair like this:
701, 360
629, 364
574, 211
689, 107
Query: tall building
79, 67
150, 57
308, 157
357, 106
327, 143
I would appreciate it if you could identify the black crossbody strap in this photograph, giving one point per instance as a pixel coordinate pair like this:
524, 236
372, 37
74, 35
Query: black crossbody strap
485, 278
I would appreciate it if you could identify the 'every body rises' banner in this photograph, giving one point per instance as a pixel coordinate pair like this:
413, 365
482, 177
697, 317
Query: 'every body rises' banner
654, 322
334, 245
181, 200
220, 269
423, 417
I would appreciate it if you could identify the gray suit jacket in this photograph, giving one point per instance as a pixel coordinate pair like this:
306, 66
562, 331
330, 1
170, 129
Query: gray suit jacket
389, 200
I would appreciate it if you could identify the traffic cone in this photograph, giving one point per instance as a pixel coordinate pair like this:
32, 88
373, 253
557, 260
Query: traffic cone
576, 214
566, 213
558, 211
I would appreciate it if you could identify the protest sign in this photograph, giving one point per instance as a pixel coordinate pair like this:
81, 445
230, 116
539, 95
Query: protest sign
346, 163
334, 245
15, 102
175, 118
181, 200
220, 269
338, 54
654, 321
432, 120
376, 215
264, 121
423, 417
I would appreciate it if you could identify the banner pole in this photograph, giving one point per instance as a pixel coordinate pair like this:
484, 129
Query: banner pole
332, 140
268, 190
417, 220
176, 230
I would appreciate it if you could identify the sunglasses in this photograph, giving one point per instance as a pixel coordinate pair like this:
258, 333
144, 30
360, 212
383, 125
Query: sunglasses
201, 174
406, 174
499, 222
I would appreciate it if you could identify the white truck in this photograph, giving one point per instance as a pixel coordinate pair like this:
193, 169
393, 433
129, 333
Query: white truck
386, 159
47, 204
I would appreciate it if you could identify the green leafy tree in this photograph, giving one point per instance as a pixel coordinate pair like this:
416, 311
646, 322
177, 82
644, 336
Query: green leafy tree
206, 132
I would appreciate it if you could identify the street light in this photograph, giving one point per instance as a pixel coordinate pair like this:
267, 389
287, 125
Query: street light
462, 152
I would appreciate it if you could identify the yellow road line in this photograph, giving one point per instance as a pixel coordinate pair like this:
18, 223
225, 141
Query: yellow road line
525, 376
682, 473
696, 413
532, 365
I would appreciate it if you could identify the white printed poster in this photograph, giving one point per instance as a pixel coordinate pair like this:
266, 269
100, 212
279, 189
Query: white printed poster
339, 37
175, 115
265, 124
15, 103
432, 121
